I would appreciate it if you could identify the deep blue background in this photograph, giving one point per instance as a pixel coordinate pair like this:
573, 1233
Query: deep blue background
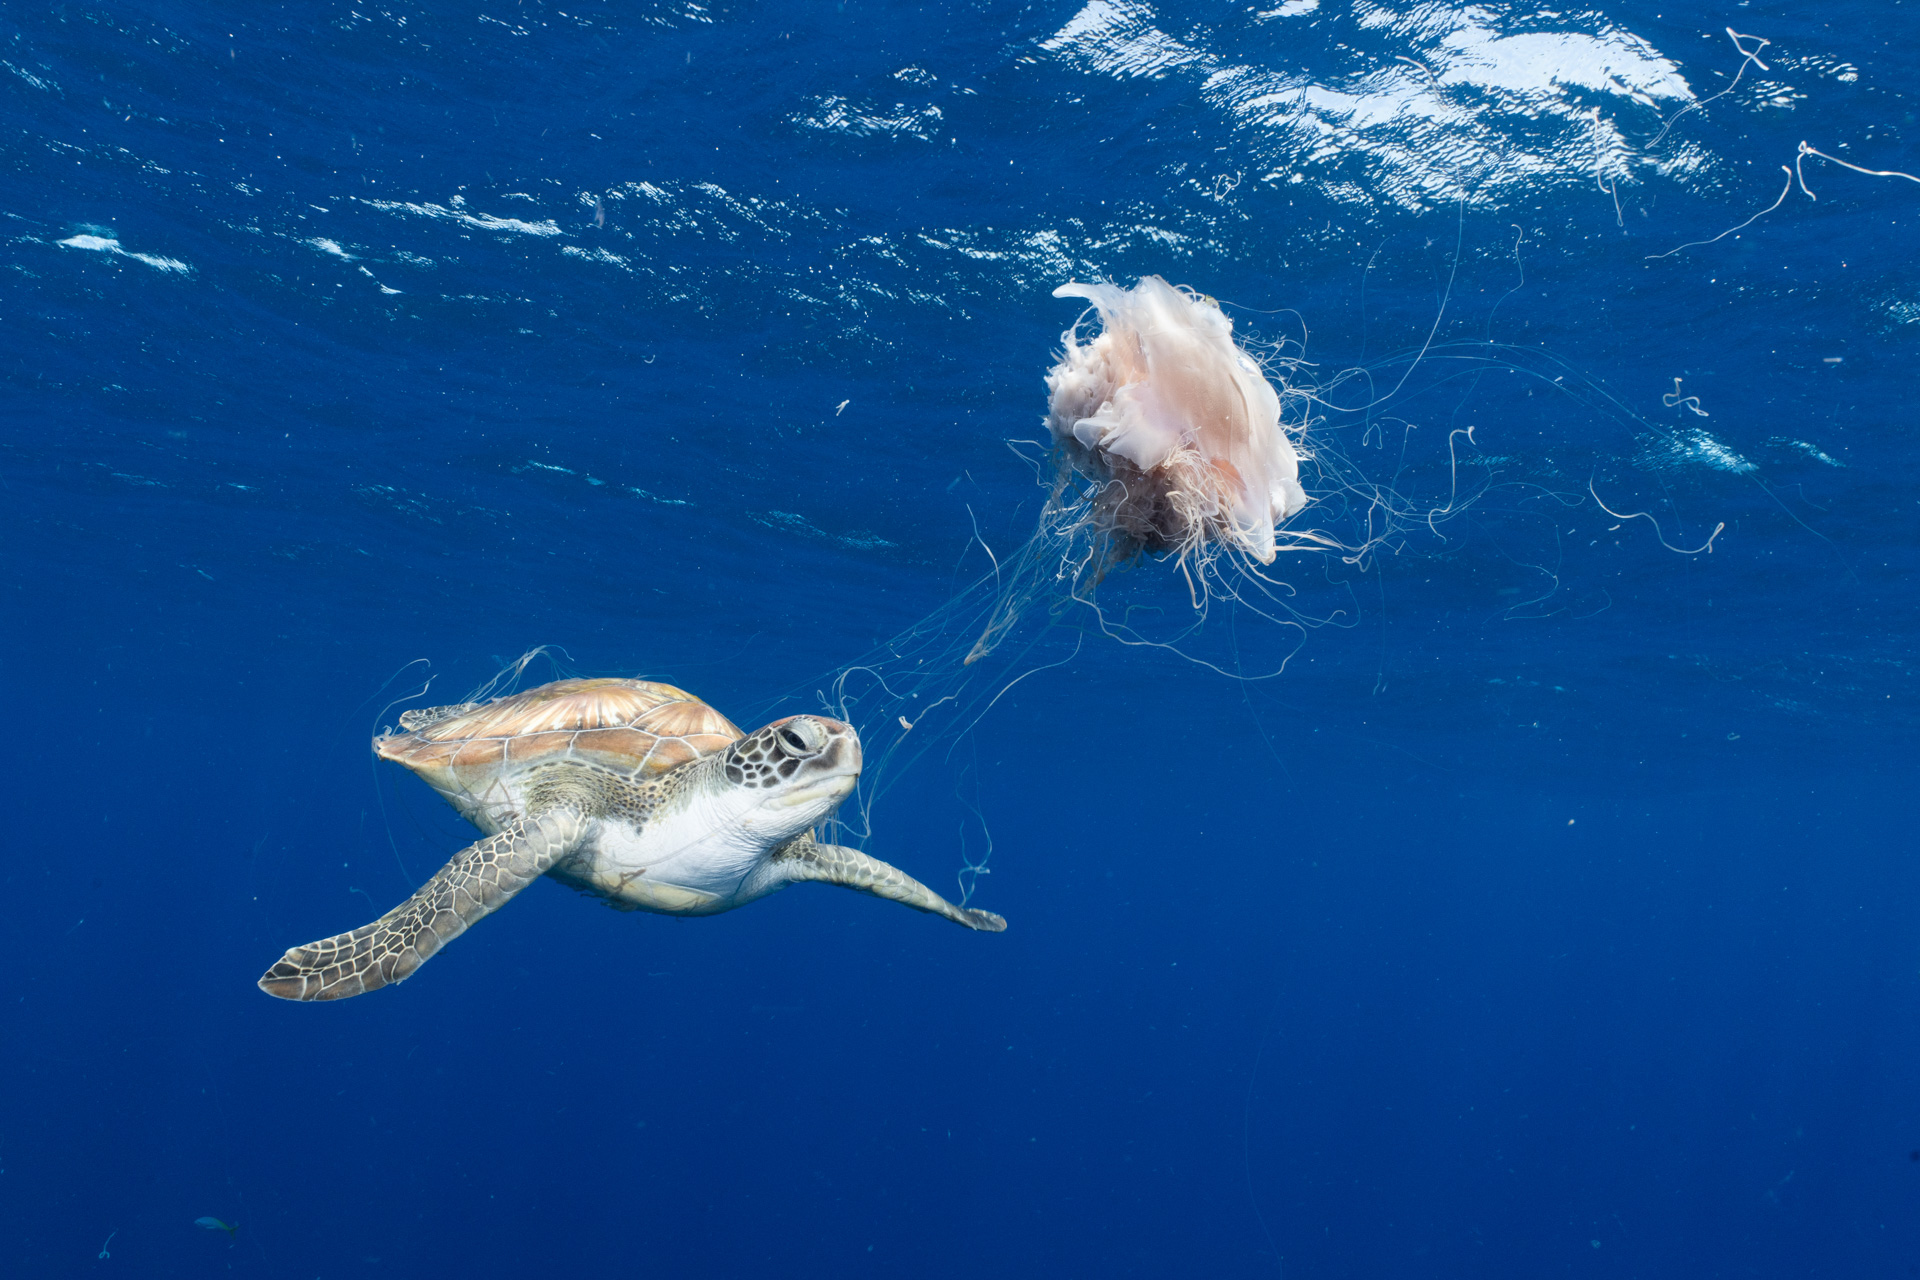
1491, 939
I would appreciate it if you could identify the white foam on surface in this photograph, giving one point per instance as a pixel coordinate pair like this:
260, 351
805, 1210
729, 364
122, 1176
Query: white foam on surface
834, 114
454, 211
1807, 447
1693, 447
594, 255
45, 86
1441, 103
107, 244
791, 522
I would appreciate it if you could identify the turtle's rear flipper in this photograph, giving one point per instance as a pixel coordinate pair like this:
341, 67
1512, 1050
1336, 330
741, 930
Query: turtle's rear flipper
478, 880
805, 859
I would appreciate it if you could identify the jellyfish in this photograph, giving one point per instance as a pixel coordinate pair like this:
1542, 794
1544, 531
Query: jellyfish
1167, 439
1174, 423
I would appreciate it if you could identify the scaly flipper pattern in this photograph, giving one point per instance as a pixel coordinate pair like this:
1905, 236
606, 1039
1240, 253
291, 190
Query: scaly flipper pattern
478, 880
805, 859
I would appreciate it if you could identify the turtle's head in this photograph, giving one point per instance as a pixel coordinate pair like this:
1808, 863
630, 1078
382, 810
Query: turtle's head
798, 770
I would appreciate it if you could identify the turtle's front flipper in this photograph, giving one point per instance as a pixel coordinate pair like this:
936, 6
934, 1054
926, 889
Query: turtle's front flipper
806, 859
478, 880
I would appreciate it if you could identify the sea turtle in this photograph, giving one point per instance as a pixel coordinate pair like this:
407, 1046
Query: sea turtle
633, 791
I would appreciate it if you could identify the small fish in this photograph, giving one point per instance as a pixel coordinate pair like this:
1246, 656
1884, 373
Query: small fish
214, 1224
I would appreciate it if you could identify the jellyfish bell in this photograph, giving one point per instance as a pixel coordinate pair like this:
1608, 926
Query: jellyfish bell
1167, 439
1174, 422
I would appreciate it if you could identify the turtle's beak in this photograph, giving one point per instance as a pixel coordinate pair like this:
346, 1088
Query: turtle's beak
826, 794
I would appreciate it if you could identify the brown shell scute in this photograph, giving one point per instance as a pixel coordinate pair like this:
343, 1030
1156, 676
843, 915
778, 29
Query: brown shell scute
637, 726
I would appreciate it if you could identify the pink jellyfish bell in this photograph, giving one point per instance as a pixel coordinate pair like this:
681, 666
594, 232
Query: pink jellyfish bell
1175, 422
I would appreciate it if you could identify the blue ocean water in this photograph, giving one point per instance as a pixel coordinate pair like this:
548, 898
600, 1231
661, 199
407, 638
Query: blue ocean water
1554, 911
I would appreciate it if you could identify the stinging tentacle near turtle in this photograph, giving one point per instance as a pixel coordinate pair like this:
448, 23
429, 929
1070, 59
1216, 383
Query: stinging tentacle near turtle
632, 791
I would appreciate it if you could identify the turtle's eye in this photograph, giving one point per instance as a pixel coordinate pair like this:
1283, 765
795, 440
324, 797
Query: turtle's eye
801, 737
